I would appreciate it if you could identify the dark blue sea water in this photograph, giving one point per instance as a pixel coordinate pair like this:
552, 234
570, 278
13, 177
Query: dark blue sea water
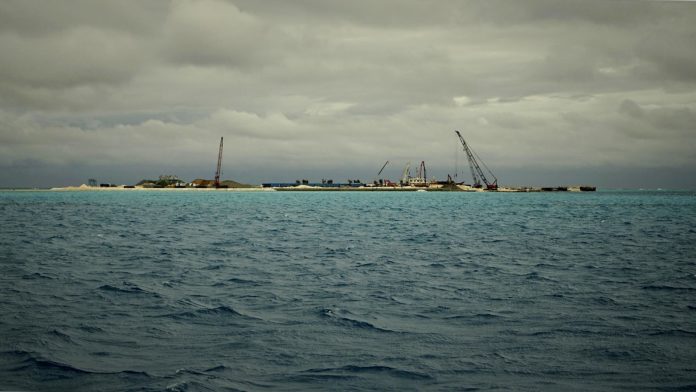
207, 291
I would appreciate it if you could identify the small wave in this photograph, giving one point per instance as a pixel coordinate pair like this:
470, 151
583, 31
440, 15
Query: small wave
604, 301
341, 319
557, 332
475, 319
218, 368
242, 281
668, 288
61, 335
394, 372
36, 275
673, 332
220, 312
480, 316
398, 300
487, 316
458, 317
128, 289
130, 373
687, 387
318, 378
65, 369
612, 354
536, 276
32, 363
311, 378
90, 329
181, 386
189, 371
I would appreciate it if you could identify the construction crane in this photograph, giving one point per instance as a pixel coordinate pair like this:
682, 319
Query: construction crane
382, 169
421, 172
476, 171
380, 181
406, 175
219, 167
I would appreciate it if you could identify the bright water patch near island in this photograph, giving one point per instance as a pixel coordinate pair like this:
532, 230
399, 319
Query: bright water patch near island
176, 291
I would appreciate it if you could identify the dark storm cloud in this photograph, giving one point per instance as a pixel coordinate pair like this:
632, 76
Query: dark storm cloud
532, 83
631, 108
34, 18
79, 57
677, 120
671, 54
595, 12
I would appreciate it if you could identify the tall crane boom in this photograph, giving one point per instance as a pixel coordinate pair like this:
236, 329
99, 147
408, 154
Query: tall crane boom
422, 174
476, 171
406, 175
382, 169
219, 166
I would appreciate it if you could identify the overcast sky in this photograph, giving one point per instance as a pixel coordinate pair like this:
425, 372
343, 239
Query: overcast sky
546, 92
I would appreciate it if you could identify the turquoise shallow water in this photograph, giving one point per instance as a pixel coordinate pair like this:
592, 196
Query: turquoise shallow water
198, 291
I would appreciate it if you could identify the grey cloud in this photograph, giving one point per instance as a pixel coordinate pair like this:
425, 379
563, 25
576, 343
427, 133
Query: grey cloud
38, 17
382, 14
663, 120
314, 85
631, 108
81, 56
680, 119
597, 12
671, 53
212, 32
427, 13
70, 69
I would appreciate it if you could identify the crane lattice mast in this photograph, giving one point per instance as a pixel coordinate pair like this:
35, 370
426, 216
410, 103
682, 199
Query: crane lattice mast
476, 171
219, 167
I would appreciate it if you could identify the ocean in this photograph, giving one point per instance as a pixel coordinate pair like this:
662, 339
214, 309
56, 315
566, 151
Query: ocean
302, 291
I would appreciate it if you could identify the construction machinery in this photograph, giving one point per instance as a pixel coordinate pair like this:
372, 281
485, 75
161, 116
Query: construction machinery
422, 173
382, 169
382, 181
421, 179
406, 175
476, 171
218, 172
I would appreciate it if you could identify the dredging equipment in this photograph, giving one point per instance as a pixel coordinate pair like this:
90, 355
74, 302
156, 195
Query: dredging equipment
421, 180
476, 171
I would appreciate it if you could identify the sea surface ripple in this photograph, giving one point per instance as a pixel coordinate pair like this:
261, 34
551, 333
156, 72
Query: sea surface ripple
207, 291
